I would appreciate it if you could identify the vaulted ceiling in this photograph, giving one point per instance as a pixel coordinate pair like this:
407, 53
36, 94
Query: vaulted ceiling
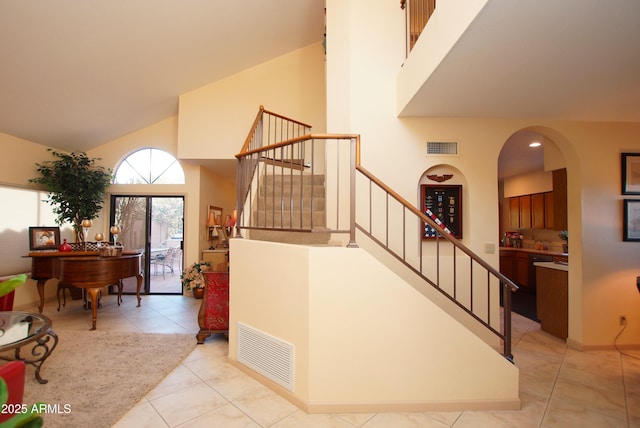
76, 74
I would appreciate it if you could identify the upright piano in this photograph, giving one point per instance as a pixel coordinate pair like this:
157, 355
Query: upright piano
84, 269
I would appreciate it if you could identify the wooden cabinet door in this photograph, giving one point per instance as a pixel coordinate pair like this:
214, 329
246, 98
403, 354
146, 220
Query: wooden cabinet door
548, 210
552, 301
507, 264
522, 270
560, 199
525, 211
537, 211
514, 212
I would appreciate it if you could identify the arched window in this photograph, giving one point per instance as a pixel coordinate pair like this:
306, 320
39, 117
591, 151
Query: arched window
149, 166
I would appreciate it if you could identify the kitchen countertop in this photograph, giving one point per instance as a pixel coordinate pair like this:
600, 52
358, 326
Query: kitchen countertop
534, 251
552, 265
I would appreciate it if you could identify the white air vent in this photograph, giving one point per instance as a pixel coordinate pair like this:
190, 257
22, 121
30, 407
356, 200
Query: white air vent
442, 148
267, 355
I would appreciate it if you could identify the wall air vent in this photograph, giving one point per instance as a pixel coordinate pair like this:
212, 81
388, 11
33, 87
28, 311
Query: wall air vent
267, 355
442, 148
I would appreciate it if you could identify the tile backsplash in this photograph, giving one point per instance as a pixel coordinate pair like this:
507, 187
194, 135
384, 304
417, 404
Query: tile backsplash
546, 237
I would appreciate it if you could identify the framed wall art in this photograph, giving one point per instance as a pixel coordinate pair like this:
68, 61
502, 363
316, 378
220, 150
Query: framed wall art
631, 220
443, 202
44, 238
631, 173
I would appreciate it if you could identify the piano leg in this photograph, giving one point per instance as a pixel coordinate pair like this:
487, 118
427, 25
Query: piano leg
93, 292
139, 285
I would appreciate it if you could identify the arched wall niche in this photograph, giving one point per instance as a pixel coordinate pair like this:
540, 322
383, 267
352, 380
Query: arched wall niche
447, 175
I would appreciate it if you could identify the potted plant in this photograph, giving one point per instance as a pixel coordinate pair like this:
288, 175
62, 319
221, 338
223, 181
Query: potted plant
192, 279
76, 186
564, 235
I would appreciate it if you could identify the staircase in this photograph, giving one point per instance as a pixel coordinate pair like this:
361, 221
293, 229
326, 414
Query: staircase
290, 208
302, 188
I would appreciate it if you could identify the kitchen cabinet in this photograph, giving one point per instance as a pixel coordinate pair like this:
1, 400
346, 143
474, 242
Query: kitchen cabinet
534, 211
507, 261
514, 212
525, 211
518, 265
537, 211
560, 199
548, 210
521, 277
552, 299
561, 259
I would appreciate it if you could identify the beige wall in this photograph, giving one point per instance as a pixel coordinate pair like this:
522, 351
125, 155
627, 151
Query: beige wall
215, 119
527, 184
366, 77
16, 168
212, 124
337, 306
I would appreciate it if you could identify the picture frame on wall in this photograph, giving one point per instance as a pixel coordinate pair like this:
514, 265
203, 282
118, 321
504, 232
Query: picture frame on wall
630, 173
444, 202
44, 238
631, 220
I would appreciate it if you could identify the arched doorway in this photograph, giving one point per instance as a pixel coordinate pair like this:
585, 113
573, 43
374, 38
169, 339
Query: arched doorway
532, 185
150, 223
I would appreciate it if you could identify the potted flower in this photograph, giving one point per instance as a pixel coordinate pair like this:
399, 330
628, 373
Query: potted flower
192, 279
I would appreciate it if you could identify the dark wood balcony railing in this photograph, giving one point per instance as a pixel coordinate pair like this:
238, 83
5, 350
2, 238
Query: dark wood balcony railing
418, 13
290, 168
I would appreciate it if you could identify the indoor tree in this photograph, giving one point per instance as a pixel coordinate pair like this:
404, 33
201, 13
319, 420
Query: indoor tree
76, 186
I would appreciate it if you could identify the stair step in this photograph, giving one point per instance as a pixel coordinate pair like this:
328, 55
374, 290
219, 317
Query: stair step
288, 221
275, 203
272, 209
290, 237
288, 179
295, 191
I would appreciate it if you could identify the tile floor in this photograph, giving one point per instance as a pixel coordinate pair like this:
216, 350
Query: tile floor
559, 387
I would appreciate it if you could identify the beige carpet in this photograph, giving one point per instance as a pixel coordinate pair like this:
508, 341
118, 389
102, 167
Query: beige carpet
100, 375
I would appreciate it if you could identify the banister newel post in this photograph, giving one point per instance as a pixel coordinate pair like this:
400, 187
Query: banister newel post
352, 195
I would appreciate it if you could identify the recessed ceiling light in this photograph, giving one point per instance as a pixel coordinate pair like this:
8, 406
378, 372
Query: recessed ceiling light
535, 144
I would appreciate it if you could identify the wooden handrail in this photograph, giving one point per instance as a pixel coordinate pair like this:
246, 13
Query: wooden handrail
288, 119
261, 112
251, 157
252, 130
431, 223
295, 140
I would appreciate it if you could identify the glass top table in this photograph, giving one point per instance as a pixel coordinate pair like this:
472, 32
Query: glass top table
20, 330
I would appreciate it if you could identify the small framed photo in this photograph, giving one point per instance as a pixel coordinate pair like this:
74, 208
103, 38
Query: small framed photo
44, 238
631, 173
631, 222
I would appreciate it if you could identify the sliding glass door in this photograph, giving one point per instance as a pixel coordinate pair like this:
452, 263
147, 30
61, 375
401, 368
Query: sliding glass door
152, 225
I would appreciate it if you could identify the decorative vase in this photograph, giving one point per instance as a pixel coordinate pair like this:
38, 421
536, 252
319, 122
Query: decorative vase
198, 293
64, 247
